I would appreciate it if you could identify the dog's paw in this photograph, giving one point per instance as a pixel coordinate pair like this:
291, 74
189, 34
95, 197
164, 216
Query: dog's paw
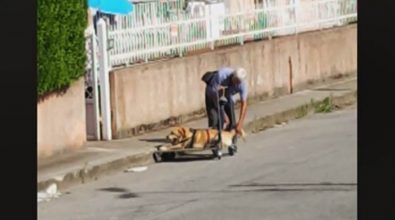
243, 137
163, 148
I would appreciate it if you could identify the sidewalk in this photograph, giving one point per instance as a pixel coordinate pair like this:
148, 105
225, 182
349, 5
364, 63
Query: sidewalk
102, 158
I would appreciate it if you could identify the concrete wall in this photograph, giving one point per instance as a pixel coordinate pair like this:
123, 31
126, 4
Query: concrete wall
61, 121
143, 95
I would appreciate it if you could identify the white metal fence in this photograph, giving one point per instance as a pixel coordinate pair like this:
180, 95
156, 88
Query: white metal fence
138, 38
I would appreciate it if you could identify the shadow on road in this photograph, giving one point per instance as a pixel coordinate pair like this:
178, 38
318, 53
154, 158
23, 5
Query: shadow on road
192, 158
292, 184
155, 140
114, 189
126, 194
282, 187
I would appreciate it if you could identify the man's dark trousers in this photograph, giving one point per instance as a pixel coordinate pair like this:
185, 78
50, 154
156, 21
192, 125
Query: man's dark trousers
212, 112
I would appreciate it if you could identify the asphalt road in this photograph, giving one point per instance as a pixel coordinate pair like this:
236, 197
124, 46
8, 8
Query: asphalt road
304, 170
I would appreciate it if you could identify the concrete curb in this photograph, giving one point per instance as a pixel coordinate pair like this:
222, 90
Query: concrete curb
87, 174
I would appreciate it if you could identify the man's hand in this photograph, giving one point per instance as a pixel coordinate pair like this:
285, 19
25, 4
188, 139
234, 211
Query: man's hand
239, 127
243, 111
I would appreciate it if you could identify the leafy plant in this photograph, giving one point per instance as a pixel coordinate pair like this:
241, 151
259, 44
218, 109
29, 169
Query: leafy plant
61, 53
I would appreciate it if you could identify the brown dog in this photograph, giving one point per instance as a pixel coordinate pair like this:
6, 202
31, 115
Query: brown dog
198, 139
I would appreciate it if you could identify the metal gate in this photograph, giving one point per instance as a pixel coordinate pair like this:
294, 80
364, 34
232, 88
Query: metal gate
97, 87
92, 104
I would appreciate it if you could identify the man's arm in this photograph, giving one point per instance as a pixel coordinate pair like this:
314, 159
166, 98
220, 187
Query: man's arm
243, 107
243, 110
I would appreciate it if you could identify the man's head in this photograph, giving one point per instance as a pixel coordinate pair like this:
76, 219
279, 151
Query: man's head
239, 75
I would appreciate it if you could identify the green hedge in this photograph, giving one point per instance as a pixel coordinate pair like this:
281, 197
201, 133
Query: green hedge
60, 43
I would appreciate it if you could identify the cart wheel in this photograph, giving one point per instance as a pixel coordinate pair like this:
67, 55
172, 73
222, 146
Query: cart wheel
157, 157
217, 153
169, 156
231, 151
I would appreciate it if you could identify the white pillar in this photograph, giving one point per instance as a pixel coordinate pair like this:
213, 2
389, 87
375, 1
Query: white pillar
104, 80
209, 37
95, 86
296, 15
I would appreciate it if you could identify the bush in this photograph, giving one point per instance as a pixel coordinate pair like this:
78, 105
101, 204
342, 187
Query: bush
61, 53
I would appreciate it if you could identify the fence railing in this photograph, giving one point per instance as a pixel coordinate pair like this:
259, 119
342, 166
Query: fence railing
135, 41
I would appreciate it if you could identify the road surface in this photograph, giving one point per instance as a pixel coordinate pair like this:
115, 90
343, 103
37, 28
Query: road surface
304, 170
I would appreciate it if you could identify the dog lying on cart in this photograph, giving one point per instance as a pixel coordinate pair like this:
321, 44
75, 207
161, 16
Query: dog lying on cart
185, 140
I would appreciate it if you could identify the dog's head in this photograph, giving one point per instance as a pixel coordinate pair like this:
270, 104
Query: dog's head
178, 134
